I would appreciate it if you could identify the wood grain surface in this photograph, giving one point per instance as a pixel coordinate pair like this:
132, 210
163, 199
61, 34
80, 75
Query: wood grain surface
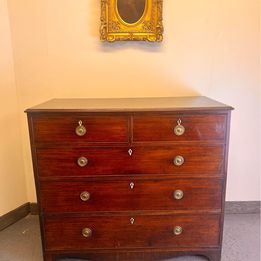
100, 128
130, 141
65, 233
157, 194
179, 104
204, 160
155, 127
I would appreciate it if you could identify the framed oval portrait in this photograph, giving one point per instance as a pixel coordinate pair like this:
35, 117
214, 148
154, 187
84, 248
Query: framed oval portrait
134, 20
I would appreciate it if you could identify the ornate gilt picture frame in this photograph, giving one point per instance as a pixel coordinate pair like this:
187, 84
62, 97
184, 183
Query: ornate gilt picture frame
118, 21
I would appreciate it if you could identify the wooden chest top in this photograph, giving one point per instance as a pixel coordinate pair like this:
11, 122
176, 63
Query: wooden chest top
130, 104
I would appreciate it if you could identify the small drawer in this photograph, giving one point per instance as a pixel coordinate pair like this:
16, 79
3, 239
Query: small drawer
178, 127
127, 231
203, 160
131, 195
79, 128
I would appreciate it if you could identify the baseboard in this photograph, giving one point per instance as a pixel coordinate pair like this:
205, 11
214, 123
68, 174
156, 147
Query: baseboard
242, 207
34, 208
14, 215
231, 207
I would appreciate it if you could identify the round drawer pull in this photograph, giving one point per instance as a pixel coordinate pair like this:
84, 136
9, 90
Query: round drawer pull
82, 161
177, 230
178, 194
132, 221
87, 232
80, 130
179, 129
85, 196
178, 161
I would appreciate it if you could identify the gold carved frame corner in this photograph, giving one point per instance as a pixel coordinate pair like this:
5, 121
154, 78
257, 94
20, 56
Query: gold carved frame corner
148, 28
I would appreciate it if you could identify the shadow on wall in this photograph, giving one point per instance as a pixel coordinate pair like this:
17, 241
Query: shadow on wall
134, 45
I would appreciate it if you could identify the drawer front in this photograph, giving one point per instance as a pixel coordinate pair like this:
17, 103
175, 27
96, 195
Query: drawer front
190, 127
202, 160
65, 233
131, 194
64, 129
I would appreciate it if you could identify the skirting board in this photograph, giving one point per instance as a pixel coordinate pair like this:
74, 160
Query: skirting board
14, 215
17, 214
242, 207
231, 207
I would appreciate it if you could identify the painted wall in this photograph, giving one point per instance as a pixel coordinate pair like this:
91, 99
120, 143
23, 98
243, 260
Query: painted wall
211, 48
12, 179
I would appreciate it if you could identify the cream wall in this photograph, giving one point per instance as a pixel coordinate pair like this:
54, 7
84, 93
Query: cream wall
12, 179
211, 48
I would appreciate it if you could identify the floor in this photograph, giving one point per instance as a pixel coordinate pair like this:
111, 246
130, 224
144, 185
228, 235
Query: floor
21, 241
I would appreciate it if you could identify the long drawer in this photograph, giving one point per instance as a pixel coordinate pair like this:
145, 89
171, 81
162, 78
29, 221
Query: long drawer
49, 128
131, 194
67, 233
178, 127
204, 160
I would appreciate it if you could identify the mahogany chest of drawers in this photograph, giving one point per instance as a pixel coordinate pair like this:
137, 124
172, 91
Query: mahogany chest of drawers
130, 179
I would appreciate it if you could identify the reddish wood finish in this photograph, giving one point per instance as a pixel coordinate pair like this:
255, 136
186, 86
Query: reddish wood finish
113, 127
65, 233
48, 257
198, 127
156, 194
143, 254
205, 160
49, 128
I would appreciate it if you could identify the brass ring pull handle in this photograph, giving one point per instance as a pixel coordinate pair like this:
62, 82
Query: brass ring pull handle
80, 130
87, 232
82, 162
130, 151
178, 194
177, 230
179, 129
132, 221
178, 160
85, 196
